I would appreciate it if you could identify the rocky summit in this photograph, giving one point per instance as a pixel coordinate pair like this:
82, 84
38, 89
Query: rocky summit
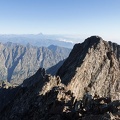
94, 64
86, 87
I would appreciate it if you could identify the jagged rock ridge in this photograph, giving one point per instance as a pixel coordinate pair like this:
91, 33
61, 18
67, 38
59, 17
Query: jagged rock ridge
92, 64
44, 97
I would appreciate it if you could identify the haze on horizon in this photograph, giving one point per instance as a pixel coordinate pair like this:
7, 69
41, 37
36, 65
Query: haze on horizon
72, 17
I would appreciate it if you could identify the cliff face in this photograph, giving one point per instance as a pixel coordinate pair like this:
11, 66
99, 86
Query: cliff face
94, 65
91, 66
18, 62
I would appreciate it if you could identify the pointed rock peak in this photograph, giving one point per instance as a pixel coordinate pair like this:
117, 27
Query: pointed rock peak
78, 54
38, 76
94, 64
92, 40
41, 71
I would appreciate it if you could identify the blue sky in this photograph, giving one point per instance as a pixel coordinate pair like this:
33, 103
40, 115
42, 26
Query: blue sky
83, 17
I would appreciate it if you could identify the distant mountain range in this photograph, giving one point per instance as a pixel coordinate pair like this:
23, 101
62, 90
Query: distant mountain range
40, 40
18, 62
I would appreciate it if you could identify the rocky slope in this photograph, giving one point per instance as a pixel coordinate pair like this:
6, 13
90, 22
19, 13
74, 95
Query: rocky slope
18, 62
115, 48
87, 89
94, 64
44, 97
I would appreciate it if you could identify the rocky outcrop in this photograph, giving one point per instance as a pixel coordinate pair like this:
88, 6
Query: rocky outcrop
44, 97
7, 93
94, 64
40, 94
18, 62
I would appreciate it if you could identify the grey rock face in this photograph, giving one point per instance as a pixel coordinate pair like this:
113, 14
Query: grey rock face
94, 64
116, 49
18, 62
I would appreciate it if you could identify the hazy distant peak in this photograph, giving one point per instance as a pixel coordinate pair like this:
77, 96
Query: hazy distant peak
40, 34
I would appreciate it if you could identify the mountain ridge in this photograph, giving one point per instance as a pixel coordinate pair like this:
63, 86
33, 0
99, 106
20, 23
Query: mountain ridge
91, 92
96, 58
19, 62
37, 40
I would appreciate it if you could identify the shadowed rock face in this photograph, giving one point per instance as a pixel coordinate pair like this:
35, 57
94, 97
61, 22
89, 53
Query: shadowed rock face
44, 97
18, 62
94, 64
91, 66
